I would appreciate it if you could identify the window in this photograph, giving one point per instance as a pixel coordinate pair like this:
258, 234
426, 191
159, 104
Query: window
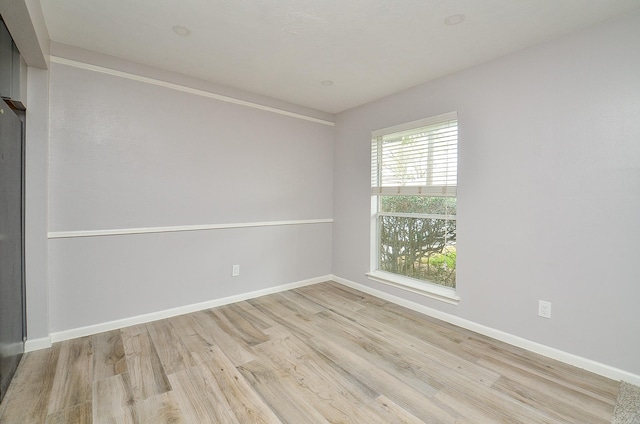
413, 186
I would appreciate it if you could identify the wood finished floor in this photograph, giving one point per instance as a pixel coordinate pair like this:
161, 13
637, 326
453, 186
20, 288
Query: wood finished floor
319, 354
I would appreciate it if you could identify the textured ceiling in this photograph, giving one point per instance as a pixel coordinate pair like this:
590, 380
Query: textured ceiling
286, 48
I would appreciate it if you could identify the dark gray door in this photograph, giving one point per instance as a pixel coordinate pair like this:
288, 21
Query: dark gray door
11, 242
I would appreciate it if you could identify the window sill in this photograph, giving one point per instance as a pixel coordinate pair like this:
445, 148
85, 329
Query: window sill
443, 294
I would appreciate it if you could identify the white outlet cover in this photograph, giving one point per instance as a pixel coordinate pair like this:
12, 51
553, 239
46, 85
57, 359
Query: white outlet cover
236, 271
544, 309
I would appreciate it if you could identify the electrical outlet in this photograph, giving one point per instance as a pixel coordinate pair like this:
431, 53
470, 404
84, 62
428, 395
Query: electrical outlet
236, 271
544, 309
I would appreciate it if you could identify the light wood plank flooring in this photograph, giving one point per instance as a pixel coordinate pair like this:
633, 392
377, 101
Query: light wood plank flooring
319, 354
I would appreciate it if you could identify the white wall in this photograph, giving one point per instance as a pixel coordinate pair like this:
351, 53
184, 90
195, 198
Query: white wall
26, 23
36, 204
127, 154
549, 190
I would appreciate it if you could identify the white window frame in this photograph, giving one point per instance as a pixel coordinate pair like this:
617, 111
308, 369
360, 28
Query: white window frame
424, 288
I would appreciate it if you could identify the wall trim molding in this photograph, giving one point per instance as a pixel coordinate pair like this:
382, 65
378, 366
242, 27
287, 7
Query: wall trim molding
184, 89
36, 344
180, 228
181, 310
562, 356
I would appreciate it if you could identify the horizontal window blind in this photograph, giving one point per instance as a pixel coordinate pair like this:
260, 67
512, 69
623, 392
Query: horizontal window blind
419, 158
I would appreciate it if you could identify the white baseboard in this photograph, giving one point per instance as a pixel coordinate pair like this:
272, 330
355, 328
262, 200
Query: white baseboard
567, 358
168, 313
36, 344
